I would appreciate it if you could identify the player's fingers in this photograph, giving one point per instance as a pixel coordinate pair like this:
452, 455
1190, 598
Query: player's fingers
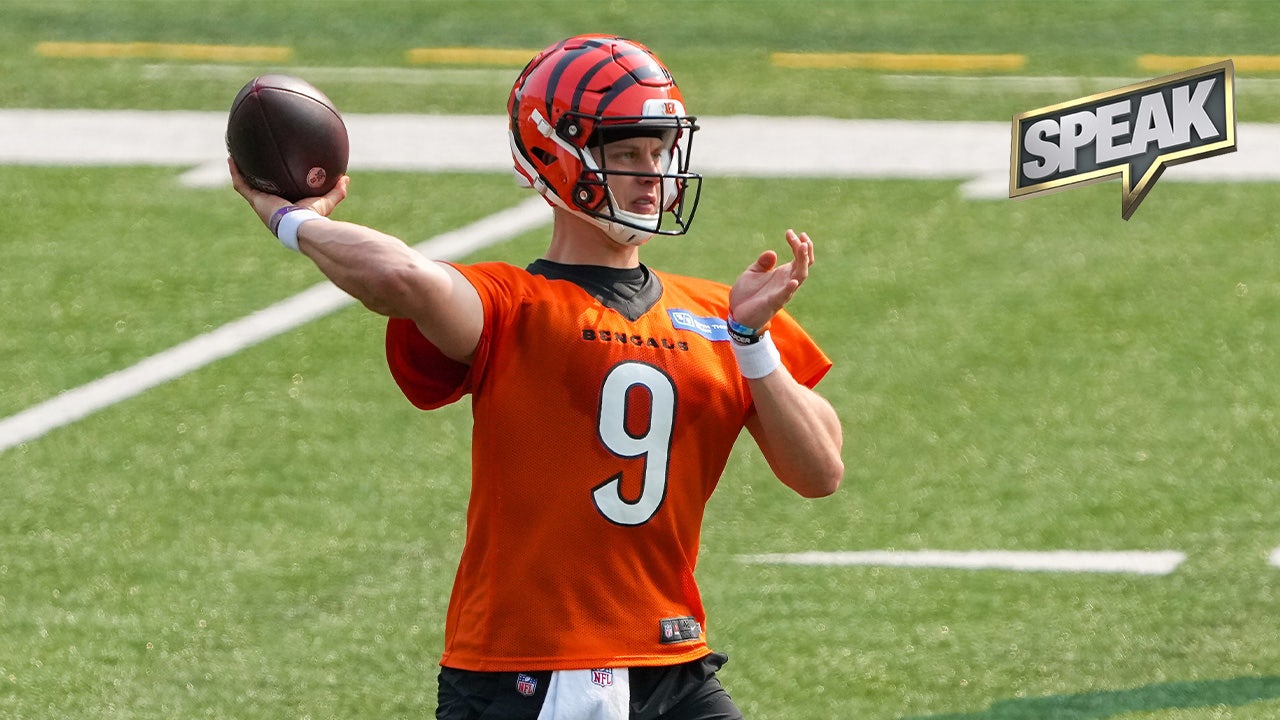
793, 240
342, 188
242, 186
262, 203
802, 244
330, 200
803, 257
765, 262
237, 179
801, 247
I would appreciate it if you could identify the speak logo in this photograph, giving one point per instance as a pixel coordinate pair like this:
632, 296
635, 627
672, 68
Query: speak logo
1134, 132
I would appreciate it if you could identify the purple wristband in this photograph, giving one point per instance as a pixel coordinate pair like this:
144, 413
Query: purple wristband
278, 215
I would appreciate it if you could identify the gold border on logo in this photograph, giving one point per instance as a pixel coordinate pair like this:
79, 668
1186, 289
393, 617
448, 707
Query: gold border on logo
1132, 194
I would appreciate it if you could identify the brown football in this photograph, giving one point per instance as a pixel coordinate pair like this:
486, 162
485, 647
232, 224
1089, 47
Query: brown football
287, 137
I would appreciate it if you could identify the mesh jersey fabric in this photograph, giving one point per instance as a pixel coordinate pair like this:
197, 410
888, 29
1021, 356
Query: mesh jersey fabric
596, 444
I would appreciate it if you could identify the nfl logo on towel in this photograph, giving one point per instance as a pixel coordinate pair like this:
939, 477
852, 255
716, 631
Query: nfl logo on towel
602, 677
526, 685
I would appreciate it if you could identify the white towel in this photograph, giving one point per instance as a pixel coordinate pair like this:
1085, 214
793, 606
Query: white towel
603, 694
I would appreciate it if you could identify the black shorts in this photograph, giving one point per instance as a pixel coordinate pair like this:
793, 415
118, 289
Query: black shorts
677, 692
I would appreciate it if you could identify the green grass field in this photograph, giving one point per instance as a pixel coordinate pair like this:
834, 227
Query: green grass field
274, 535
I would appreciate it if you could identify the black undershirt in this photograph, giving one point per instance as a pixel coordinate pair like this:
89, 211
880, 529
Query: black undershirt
630, 291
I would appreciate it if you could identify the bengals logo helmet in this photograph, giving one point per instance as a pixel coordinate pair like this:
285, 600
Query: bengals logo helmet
581, 93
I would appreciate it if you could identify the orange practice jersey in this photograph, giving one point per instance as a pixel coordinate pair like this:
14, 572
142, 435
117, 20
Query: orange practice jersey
596, 444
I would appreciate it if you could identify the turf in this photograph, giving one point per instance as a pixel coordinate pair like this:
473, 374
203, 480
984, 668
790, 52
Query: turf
275, 535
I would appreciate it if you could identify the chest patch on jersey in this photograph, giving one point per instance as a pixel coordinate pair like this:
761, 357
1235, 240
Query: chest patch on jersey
680, 629
711, 328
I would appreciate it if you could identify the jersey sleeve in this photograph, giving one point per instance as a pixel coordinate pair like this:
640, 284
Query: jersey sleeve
429, 378
806, 362
426, 376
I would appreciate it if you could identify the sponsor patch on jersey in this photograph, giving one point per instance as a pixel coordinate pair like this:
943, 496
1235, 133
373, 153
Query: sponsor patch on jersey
711, 328
526, 685
680, 629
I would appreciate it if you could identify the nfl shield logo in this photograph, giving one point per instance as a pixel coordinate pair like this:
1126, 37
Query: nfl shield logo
526, 685
602, 677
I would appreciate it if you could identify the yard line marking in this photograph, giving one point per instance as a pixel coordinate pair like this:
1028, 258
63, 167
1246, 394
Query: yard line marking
170, 51
1275, 558
896, 61
310, 304
1137, 562
1057, 84
469, 56
1050, 84
321, 74
801, 147
1175, 63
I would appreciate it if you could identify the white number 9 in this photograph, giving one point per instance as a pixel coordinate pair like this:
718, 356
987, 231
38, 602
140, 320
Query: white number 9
654, 445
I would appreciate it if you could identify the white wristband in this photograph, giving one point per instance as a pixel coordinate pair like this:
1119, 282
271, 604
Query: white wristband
757, 359
287, 230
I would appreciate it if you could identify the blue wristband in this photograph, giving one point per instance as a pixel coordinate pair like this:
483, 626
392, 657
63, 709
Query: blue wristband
740, 333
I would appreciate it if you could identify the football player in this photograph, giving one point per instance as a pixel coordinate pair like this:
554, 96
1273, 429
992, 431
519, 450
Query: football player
607, 396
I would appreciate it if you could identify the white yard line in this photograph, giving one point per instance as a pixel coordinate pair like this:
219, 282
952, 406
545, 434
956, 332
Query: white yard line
1135, 562
745, 146
316, 302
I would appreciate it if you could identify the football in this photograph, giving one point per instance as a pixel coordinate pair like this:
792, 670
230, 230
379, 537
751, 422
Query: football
287, 137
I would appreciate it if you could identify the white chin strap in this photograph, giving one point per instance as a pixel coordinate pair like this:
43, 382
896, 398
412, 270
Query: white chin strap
628, 236
617, 232
625, 234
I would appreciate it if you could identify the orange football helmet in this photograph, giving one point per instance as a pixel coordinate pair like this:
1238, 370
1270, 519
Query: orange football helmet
582, 92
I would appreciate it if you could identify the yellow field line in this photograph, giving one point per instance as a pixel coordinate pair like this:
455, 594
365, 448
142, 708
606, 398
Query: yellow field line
1174, 63
167, 51
517, 57
897, 61
469, 56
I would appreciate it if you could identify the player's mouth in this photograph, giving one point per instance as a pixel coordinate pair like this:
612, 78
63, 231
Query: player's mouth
645, 205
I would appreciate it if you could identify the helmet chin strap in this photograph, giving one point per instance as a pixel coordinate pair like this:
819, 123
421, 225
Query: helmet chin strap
625, 234
617, 232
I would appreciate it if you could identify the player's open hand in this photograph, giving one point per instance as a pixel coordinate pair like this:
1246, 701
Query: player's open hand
766, 287
265, 204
